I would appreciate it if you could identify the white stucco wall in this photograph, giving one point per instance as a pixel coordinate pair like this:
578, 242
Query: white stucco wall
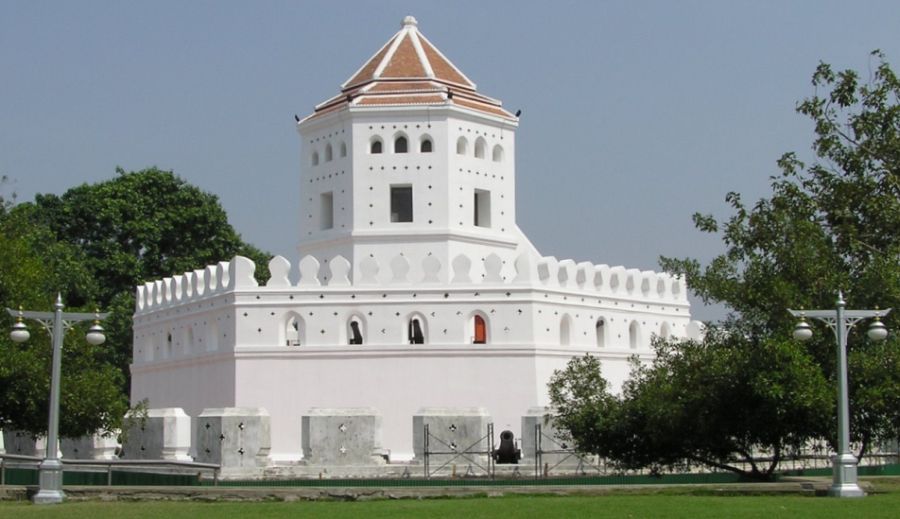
213, 338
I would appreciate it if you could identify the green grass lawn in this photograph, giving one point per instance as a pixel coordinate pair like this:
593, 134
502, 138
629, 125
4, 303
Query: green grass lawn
884, 503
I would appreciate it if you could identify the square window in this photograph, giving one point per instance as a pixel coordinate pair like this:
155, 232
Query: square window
482, 208
401, 204
326, 208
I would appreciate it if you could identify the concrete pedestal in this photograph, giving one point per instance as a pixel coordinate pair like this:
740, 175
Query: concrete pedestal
461, 431
342, 437
164, 434
234, 437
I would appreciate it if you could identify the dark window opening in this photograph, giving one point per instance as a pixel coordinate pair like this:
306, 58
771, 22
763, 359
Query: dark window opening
293, 333
482, 208
601, 335
376, 147
426, 146
415, 332
355, 334
400, 145
401, 204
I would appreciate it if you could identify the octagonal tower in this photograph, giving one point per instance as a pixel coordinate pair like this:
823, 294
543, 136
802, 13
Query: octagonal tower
409, 157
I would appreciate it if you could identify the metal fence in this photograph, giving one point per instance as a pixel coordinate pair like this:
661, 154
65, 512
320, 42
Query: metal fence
554, 463
480, 461
23, 470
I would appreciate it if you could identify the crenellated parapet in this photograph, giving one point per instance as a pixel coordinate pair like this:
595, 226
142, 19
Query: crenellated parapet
606, 280
199, 284
528, 271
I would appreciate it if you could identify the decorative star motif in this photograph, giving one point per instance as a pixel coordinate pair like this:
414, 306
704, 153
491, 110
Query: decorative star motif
342, 428
343, 450
452, 427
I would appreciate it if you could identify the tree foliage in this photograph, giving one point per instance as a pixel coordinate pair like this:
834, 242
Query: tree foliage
721, 403
138, 227
830, 225
94, 244
584, 409
33, 267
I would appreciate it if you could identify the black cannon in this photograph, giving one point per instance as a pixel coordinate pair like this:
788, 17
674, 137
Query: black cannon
507, 452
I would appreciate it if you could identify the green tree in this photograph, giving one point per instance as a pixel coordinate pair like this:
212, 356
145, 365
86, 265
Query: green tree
33, 267
583, 407
719, 403
141, 226
749, 388
832, 224
138, 227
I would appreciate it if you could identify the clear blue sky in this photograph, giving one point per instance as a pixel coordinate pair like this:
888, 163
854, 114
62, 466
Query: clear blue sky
635, 114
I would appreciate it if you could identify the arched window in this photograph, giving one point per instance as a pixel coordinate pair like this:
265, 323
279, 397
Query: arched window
480, 144
601, 333
343, 149
376, 146
497, 154
665, 331
462, 146
401, 145
634, 331
328, 152
355, 333
480, 336
315, 158
425, 146
414, 332
293, 330
565, 330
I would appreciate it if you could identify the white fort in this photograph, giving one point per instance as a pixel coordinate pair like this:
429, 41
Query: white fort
414, 287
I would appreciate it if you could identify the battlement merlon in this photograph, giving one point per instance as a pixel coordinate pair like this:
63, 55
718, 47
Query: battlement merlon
491, 271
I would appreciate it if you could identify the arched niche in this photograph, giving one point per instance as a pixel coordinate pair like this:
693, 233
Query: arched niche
293, 330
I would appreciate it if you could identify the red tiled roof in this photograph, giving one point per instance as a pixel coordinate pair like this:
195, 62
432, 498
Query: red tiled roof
369, 68
409, 70
441, 66
404, 62
406, 55
383, 86
402, 100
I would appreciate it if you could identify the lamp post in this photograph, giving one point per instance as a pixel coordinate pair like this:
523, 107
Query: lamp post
841, 321
56, 323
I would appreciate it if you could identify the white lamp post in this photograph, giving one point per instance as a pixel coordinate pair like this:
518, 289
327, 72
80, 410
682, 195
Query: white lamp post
841, 321
56, 323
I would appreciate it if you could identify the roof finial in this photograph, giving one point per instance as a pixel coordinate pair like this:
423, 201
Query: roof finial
409, 21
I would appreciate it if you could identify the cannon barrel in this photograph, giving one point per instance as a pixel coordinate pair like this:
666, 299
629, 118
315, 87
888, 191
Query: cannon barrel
507, 451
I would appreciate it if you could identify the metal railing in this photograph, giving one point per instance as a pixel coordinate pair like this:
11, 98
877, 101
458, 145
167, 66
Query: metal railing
110, 465
469, 453
563, 451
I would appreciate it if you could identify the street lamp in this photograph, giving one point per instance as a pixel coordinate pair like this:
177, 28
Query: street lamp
56, 323
841, 321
